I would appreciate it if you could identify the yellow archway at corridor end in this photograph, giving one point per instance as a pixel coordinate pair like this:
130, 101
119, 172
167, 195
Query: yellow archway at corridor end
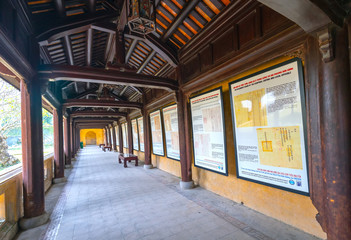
92, 136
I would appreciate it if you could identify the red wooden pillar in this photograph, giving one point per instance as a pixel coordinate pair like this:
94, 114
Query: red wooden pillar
335, 114
32, 156
71, 131
120, 47
130, 135
120, 136
183, 129
67, 139
114, 138
109, 135
147, 132
58, 145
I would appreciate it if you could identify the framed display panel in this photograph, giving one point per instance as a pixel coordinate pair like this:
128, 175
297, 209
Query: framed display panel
170, 120
135, 135
117, 135
156, 133
141, 133
207, 119
125, 135
269, 124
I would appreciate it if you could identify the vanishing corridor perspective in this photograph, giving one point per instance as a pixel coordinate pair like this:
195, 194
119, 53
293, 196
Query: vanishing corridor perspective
175, 119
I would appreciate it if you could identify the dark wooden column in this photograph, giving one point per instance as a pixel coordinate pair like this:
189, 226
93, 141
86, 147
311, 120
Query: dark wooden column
58, 143
335, 113
109, 135
77, 131
130, 135
120, 48
67, 140
71, 131
32, 154
183, 129
114, 138
147, 132
120, 136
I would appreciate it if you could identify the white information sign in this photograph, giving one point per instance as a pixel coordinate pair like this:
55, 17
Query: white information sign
156, 132
141, 133
269, 127
125, 135
170, 118
135, 135
208, 131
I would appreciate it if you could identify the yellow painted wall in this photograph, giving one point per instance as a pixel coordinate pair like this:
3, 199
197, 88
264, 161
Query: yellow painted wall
169, 165
291, 208
99, 135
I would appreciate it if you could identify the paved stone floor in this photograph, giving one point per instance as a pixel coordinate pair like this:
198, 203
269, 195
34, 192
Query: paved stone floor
103, 200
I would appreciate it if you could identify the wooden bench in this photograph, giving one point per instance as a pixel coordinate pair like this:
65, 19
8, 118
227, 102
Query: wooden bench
106, 147
100, 145
127, 157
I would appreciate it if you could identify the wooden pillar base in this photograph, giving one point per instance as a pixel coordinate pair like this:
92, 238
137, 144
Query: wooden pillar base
59, 180
28, 223
67, 166
186, 185
148, 166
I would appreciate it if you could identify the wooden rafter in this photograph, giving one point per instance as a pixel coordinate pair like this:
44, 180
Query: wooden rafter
146, 61
89, 48
109, 46
104, 76
68, 49
85, 93
65, 27
179, 19
161, 48
131, 49
60, 7
91, 6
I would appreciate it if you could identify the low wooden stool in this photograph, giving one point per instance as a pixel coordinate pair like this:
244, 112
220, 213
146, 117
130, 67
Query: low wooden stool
127, 157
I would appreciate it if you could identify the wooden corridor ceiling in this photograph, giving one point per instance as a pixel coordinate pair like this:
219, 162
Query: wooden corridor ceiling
83, 33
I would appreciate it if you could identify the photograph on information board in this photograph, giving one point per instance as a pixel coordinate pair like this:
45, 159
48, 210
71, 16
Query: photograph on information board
208, 131
141, 133
170, 118
135, 135
156, 133
269, 127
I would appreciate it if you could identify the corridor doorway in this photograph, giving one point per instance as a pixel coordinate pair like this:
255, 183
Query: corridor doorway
90, 138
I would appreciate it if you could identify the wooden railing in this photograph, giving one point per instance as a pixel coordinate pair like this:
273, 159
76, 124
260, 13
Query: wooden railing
11, 195
48, 171
11, 206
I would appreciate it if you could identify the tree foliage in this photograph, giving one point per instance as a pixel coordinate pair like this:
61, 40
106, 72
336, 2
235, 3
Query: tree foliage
10, 108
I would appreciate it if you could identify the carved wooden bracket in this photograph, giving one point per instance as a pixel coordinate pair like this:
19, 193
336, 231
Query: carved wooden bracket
326, 44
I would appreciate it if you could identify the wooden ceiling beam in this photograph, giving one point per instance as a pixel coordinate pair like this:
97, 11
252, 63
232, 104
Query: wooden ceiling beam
131, 49
109, 46
104, 76
179, 19
58, 28
91, 6
146, 61
89, 50
69, 103
68, 49
123, 91
60, 8
89, 113
160, 47
89, 91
